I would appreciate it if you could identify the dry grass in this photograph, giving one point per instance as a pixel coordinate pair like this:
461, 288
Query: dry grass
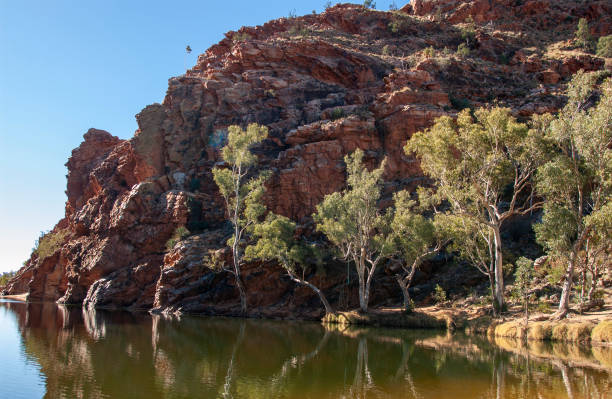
602, 332
603, 354
511, 329
413, 320
572, 332
545, 331
540, 331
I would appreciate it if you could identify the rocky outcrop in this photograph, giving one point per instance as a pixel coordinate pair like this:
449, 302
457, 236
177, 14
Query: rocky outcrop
324, 85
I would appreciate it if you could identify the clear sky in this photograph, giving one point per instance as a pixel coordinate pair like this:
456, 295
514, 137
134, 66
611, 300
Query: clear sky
67, 66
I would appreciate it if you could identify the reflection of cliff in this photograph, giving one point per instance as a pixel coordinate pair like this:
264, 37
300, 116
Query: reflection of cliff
123, 355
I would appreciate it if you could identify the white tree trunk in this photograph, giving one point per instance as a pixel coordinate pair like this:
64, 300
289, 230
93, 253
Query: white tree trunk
499, 272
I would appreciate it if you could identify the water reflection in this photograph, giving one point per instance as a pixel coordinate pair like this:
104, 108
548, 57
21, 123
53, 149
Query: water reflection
97, 354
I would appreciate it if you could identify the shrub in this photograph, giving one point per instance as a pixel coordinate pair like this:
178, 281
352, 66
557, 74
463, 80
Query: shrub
179, 233
439, 294
49, 243
337, 113
385, 50
604, 46
459, 103
240, 37
399, 25
543, 307
393, 6
583, 36
463, 50
468, 35
429, 52
5, 277
369, 4
299, 30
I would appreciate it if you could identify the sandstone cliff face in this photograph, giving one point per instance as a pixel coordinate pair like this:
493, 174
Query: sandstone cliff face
324, 85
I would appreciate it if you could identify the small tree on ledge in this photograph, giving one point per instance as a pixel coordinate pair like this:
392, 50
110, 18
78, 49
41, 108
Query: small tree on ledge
275, 241
243, 198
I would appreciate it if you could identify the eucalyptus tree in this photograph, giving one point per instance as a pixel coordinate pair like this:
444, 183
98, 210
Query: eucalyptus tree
242, 194
275, 240
577, 182
417, 238
482, 166
353, 222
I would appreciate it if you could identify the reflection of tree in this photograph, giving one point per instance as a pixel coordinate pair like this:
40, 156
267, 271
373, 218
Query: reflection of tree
146, 357
363, 381
404, 369
565, 375
227, 386
298, 361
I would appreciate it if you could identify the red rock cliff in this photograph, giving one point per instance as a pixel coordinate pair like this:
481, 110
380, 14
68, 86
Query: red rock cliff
325, 85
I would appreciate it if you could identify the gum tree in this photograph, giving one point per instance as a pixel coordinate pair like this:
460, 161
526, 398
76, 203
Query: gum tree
242, 194
352, 221
482, 166
276, 241
416, 237
577, 182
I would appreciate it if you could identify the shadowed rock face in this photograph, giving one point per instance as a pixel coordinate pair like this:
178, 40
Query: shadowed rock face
324, 85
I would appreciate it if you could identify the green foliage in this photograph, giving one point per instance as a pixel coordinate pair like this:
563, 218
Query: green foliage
468, 34
604, 46
414, 234
369, 4
179, 234
240, 37
460, 103
463, 50
523, 278
482, 165
470, 239
5, 277
577, 182
299, 30
583, 35
352, 221
49, 243
399, 25
543, 307
439, 295
337, 113
243, 195
275, 240
385, 50
429, 52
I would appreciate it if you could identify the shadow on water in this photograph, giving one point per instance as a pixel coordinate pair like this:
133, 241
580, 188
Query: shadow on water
97, 354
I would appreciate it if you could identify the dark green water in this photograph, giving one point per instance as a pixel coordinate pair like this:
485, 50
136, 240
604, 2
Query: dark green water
60, 352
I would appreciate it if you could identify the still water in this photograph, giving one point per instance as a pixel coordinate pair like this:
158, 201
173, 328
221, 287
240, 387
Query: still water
63, 352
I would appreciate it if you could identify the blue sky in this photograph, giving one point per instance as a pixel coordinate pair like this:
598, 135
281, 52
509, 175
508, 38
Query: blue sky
67, 66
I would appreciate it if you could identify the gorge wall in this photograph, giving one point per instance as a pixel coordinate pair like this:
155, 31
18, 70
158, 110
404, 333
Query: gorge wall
325, 85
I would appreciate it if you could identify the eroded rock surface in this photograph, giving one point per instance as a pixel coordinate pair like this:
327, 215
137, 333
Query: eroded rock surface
324, 85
